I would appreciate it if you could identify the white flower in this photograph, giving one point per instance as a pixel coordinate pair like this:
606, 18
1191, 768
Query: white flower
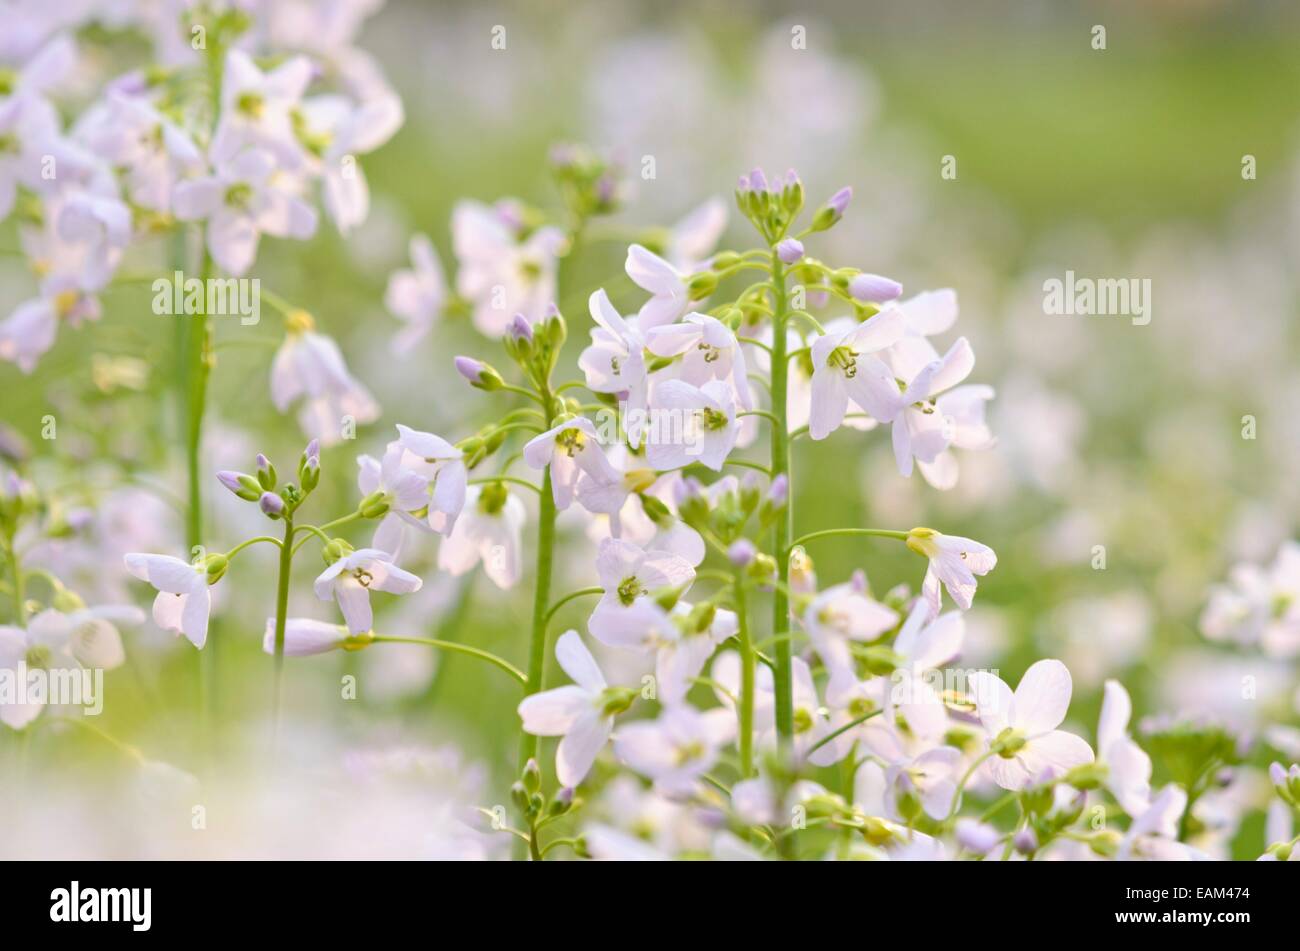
844, 371
583, 712
921, 430
841, 614
954, 561
29, 332
257, 109
570, 449
1023, 726
676, 749
1154, 833
931, 778
23, 652
670, 295
615, 363
350, 130
708, 350
1128, 767
90, 635
183, 601
691, 424
694, 237
27, 127
502, 272
443, 466
417, 295
684, 648
310, 365
405, 491
153, 150
242, 201
350, 579
490, 530
304, 636
626, 615
962, 410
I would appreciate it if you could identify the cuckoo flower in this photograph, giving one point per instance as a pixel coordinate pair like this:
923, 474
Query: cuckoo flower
844, 370
677, 749
691, 424
309, 365
351, 578
416, 295
626, 615
258, 109
954, 561
490, 530
443, 466
1022, 727
570, 449
183, 601
582, 713
614, 363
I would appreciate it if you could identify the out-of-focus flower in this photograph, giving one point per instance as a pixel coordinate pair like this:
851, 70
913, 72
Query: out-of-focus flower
503, 269
417, 295
677, 748
489, 529
310, 365
305, 636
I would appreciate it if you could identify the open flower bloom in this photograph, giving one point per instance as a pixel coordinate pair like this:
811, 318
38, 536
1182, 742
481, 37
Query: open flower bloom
691, 424
583, 712
349, 130
725, 674
417, 294
930, 778
29, 332
490, 530
26, 653
90, 635
183, 601
310, 365
443, 466
708, 350
920, 430
841, 614
615, 363
242, 201
682, 654
962, 410
676, 749
304, 636
844, 370
1023, 726
351, 578
668, 287
405, 491
1128, 767
954, 561
502, 273
570, 449
626, 615
1153, 834
257, 108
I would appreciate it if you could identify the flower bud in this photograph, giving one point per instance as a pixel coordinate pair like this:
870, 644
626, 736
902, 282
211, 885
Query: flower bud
309, 466
975, 836
562, 802
335, 549
742, 552
519, 796
243, 485
479, 374
272, 505
701, 285
532, 777
789, 250
831, 212
724, 259
1025, 842
214, 566
374, 505
519, 329
874, 289
779, 491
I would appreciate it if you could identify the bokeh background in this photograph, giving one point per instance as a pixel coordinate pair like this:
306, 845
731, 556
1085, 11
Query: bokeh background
1125, 162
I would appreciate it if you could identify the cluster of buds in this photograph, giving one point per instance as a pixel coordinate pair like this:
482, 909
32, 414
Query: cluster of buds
588, 182
17, 498
535, 348
1286, 782
770, 207
262, 487
527, 796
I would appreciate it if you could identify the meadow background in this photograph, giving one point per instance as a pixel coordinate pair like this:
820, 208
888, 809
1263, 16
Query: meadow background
1117, 163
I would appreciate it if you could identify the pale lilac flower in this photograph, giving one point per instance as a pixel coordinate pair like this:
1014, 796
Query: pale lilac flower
1153, 835
29, 332
443, 467
489, 529
691, 424
844, 370
350, 579
681, 651
582, 713
921, 429
874, 289
23, 652
842, 614
501, 274
570, 449
243, 200
669, 288
694, 237
1023, 726
677, 749
708, 350
403, 489
28, 126
155, 152
954, 561
350, 130
1128, 767
90, 635
183, 601
615, 363
416, 295
626, 615
310, 365
258, 109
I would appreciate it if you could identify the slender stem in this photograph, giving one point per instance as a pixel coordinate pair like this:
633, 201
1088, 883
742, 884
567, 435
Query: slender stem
747, 663
281, 612
828, 532
542, 592
840, 730
511, 388
251, 541
782, 677
956, 793
19, 592
523, 483
488, 656
580, 593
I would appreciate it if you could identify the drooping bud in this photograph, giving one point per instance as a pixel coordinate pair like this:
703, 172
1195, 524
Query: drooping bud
562, 802
831, 212
874, 289
789, 250
243, 485
272, 505
479, 374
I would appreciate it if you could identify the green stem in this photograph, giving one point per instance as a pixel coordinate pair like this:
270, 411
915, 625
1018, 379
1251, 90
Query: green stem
961, 786
838, 731
488, 656
782, 677
572, 595
828, 532
281, 613
747, 663
19, 591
